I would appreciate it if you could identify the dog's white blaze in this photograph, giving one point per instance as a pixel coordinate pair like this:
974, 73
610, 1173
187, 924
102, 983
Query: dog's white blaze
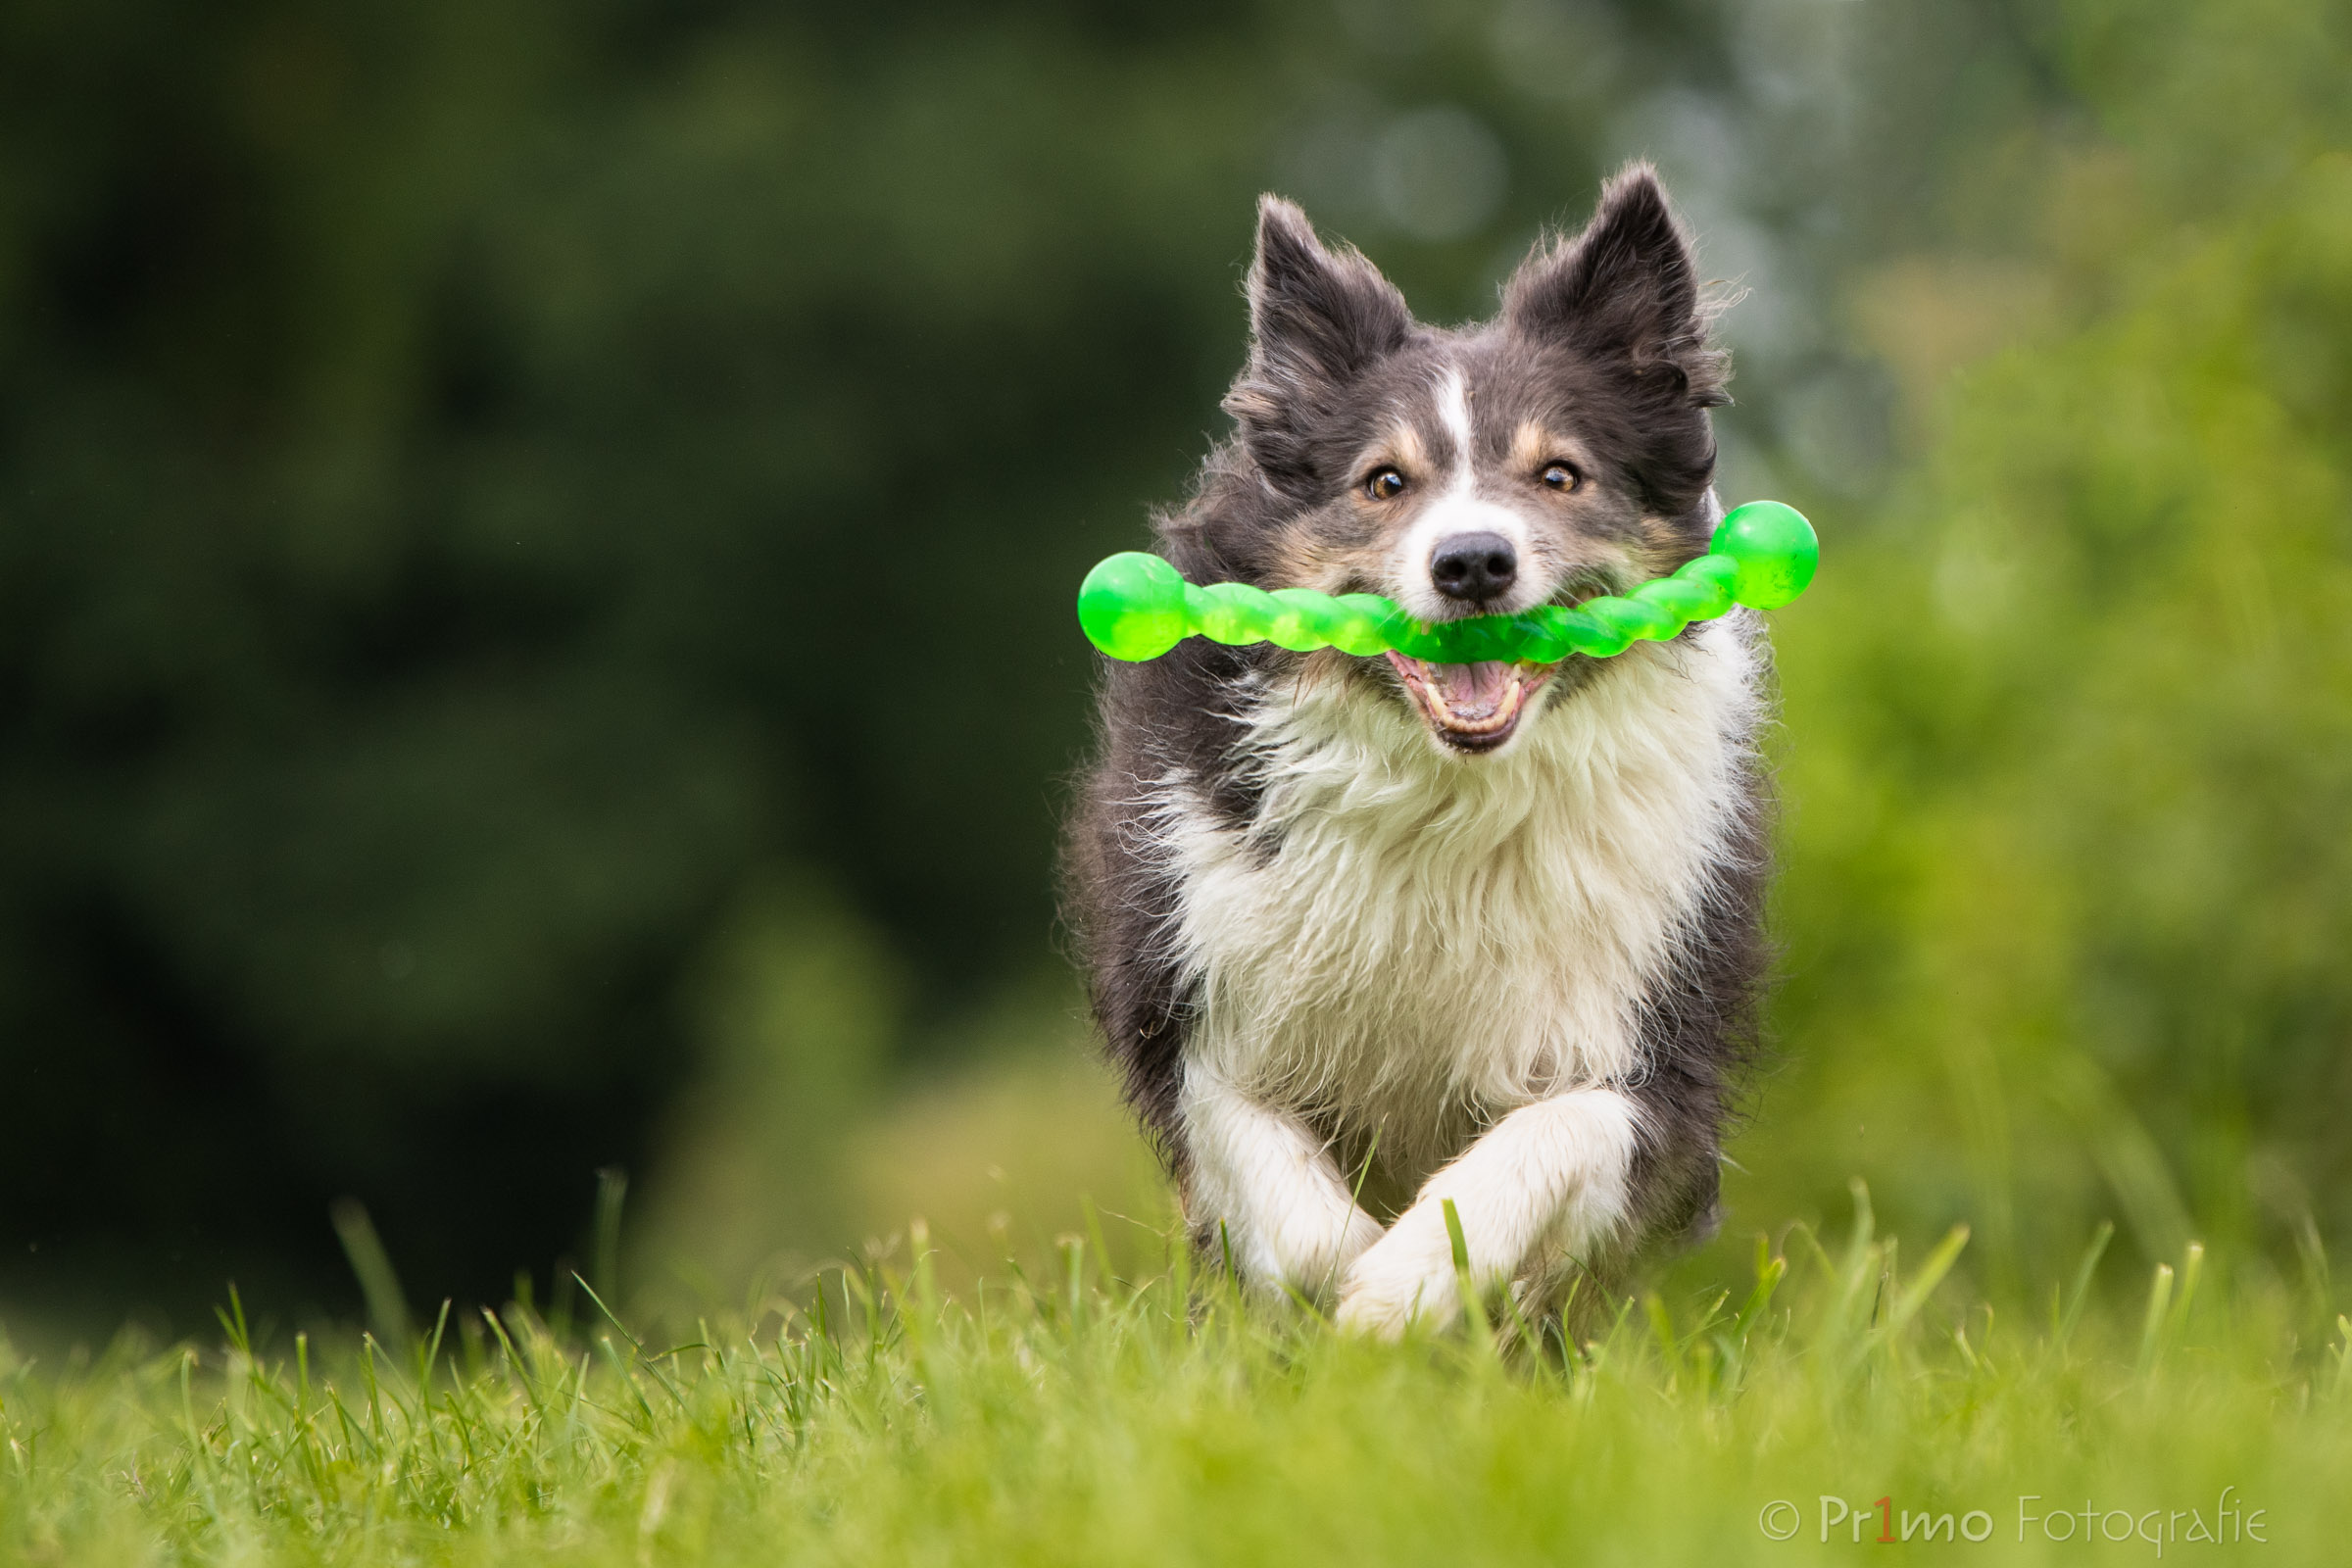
1418, 943
1453, 408
1549, 1179
1458, 508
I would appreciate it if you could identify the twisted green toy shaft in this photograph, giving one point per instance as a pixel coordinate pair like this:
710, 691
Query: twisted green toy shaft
1137, 606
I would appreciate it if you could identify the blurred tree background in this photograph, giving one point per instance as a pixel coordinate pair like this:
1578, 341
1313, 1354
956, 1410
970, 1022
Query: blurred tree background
535, 545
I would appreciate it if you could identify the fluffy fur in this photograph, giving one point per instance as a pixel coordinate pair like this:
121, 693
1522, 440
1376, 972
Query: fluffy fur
1368, 936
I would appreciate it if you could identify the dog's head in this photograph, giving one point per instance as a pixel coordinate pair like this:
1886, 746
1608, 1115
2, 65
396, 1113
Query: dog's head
1558, 452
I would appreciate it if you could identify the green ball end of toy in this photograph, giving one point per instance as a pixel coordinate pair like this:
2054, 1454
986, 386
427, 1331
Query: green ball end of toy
1132, 606
1776, 549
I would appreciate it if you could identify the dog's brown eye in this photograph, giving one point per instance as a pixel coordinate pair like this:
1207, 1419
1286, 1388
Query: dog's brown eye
1561, 476
1385, 484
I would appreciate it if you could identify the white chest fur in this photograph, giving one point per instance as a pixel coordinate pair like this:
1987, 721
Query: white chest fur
1412, 942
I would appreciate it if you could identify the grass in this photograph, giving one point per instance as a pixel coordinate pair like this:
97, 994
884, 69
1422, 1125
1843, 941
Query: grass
1086, 1419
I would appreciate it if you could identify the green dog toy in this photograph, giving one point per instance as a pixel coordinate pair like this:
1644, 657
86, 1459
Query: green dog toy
1137, 606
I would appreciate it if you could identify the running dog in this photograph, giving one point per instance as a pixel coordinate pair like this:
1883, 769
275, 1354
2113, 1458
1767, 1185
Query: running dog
1372, 936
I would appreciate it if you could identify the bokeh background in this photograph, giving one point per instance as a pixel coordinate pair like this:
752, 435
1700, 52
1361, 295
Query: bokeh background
536, 543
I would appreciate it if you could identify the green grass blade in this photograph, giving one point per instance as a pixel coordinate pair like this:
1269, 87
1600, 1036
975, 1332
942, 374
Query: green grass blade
2151, 1331
2063, 1333
379, 1286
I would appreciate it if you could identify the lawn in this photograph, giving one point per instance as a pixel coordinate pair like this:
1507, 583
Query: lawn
1832, 1397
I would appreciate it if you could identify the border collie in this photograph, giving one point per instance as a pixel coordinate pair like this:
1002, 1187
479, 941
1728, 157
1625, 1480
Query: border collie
1369, 935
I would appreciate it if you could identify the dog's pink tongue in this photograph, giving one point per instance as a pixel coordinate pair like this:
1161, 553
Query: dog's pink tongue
1470, 690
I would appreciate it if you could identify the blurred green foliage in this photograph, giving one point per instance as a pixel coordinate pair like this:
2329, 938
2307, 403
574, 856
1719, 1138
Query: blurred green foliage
451, 456
2069, 750
800, 1010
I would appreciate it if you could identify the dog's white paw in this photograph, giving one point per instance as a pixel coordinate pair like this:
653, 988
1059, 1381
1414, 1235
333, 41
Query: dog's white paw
1405, 1277
1310, 1258
1364, 1232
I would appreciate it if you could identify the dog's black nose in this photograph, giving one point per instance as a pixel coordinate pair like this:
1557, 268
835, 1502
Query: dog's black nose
1476, 566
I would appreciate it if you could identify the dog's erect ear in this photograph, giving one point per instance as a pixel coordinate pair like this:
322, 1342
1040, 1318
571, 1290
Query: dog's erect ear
1625, 289
1314, 313
1317, 320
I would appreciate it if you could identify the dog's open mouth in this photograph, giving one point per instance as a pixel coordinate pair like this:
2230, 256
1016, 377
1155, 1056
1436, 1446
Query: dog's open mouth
1471, 708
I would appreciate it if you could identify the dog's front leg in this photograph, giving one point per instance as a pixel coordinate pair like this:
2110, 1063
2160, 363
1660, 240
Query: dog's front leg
1271, 1184
1554, 1172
